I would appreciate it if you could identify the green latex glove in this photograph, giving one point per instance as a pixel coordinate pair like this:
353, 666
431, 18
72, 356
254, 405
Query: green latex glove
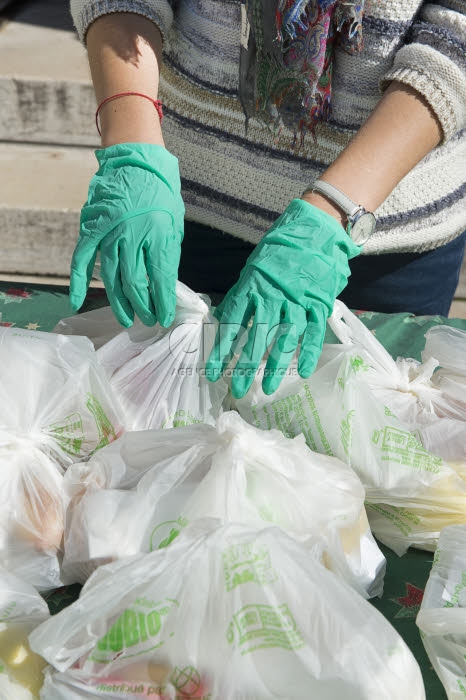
134, 215
288, 286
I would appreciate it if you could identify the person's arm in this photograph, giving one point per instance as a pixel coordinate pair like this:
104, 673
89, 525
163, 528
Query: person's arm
124, 55
134, 213
424, 104
399, 133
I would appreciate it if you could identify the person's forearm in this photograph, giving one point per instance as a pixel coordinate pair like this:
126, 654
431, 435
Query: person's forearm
398, 134
124, 55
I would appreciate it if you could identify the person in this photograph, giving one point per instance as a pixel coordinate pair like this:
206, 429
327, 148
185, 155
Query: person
303, 118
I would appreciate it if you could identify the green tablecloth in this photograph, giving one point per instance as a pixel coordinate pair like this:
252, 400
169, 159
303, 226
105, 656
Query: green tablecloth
38, 307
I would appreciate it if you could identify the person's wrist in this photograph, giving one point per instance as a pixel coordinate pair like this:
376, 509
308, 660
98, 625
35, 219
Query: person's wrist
130, 120
318, 200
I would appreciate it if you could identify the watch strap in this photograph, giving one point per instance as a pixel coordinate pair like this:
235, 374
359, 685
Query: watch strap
333, 193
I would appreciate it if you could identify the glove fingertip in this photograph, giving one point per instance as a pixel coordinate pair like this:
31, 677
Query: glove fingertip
149, 320
305, 369
122, 309
124, 316
238, 392
165, 307
240, 385
78, 289
212, 373
125, 321
269, 387
167, 320
76, 300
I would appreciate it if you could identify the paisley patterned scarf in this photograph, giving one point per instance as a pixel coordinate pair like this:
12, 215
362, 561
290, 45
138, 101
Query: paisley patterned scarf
287, 50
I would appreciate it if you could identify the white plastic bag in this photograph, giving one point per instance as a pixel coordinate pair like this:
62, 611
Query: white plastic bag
224, 613
99, 325
56, 407
447, 345
158, 373
137, 494
350, 407
408, 388
447, 435
442, 617
32, 511
21, 610
132, 489
429, 403
53, 391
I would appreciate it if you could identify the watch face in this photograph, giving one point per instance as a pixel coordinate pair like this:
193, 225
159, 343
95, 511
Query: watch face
363, 228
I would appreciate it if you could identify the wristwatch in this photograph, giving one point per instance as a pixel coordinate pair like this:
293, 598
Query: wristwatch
360, 223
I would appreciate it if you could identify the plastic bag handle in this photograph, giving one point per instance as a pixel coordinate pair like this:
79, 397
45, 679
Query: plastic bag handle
448, 346
441, 621
187, 299
351, 331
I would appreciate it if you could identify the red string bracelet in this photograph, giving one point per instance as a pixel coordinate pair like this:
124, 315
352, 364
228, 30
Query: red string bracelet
157, 104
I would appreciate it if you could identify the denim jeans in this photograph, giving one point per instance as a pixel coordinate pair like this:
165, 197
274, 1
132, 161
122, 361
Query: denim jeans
420, 283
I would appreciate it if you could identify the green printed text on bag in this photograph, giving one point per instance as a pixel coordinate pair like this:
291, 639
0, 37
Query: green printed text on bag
264, 627
403, 447
181, 418
106, 430
401, 518
188, 682
7, 610
166, 532
245, 563
293, 415
69, 433
454, 601
346, 432
137, 630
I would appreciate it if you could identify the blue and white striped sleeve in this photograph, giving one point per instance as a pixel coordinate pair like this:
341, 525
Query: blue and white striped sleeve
84, 12
433, 61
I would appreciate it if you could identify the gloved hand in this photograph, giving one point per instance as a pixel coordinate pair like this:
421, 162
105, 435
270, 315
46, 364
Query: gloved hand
134, 215
289, 285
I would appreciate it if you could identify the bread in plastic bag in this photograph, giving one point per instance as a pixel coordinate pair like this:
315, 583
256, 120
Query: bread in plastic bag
224, 613
32, 513
56, 407
442, 617
158, 373
21, 610
350, 408
136, 495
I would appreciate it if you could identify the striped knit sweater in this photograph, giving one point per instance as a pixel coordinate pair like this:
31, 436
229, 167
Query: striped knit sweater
239, 181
